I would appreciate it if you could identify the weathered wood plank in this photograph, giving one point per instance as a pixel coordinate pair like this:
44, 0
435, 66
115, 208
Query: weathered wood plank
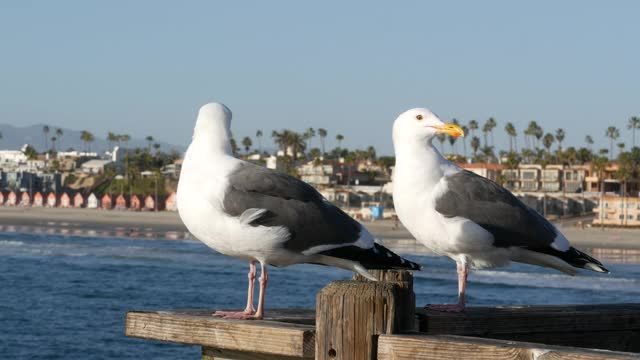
219, 354
270, 337
428, 347
574, 325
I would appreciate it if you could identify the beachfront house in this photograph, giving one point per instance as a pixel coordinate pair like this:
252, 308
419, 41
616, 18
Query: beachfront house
105, 202
171, 203
25, 199
618, 211
78, 200
121, 203
65, 201
92, 201
149, 203
97, 166
51, 200
135, 203
11, 199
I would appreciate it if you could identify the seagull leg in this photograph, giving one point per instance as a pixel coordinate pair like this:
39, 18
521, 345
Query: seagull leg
249, 309
260, 313
463, 273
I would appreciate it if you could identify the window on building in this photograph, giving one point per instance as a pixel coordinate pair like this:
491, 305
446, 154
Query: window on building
621, 206
621, 217
631, 205
606, 204
630, 217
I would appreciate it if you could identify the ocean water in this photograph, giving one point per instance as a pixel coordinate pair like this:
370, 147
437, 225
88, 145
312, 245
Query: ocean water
66, 297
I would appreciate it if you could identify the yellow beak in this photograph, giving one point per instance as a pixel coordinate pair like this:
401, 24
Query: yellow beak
451, 129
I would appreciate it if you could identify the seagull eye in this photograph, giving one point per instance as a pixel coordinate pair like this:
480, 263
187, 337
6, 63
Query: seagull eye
419, 117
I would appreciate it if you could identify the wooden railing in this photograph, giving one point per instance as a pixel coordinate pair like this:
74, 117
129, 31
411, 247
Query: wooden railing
361, 319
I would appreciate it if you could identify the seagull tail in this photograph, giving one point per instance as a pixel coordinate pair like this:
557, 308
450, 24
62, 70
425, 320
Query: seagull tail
376, 257
579, 259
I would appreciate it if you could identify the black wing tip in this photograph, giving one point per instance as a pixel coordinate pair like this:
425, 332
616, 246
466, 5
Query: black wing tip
579, 259
378, 257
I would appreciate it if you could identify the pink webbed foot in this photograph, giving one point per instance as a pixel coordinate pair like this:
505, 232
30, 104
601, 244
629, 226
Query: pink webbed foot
446, 307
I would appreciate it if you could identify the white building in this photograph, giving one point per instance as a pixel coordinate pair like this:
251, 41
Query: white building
92, 201
96, 166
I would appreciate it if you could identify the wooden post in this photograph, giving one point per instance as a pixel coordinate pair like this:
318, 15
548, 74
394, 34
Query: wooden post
350, 315
407, 298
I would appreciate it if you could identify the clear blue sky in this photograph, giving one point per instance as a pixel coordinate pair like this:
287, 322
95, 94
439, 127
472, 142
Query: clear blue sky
145, 67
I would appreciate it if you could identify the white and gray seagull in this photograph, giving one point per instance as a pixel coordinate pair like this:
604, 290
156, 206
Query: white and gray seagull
467, 217
262, 215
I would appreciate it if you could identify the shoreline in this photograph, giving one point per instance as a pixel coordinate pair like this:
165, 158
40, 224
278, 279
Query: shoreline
165, 224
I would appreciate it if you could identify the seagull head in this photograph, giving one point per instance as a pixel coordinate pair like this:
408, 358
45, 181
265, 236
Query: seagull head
213, 125
420, 124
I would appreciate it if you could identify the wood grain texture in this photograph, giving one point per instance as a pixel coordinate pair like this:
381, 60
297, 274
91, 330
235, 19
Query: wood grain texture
444, 347
406, 296
266, 337
608, 326
349, 314
219, 354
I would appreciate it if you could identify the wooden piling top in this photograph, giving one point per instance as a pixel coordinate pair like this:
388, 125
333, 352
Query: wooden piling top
283, 333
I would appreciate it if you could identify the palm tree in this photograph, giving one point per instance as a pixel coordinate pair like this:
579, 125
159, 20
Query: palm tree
323, 134
87, 138
589, 140
259, 137
547, 141
511, 131
612, 133
59, 134
111, 138
339, 138
600, 163
234, 146
246, 142
491, 123
473, 126
149, 139
634, 123
309, 134
465, 129
559, 138
156, 147
475, 145
621, 148
53, 143
45, 131
125, 138
486, 128
1, 135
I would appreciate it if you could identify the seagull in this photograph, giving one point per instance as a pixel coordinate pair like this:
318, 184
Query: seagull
265, 216
467, 217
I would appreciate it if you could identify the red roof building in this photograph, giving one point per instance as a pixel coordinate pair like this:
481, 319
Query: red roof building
65, 201
78, 200
25, 199
105, 203
38, 200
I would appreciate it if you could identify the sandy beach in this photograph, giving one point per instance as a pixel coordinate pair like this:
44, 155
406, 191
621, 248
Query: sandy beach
168, 224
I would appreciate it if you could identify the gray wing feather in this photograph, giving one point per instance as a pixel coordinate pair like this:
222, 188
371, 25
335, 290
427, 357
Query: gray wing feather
496, 209
288, 202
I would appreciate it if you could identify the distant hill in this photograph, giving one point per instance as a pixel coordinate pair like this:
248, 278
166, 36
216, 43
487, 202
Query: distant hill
14, 137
